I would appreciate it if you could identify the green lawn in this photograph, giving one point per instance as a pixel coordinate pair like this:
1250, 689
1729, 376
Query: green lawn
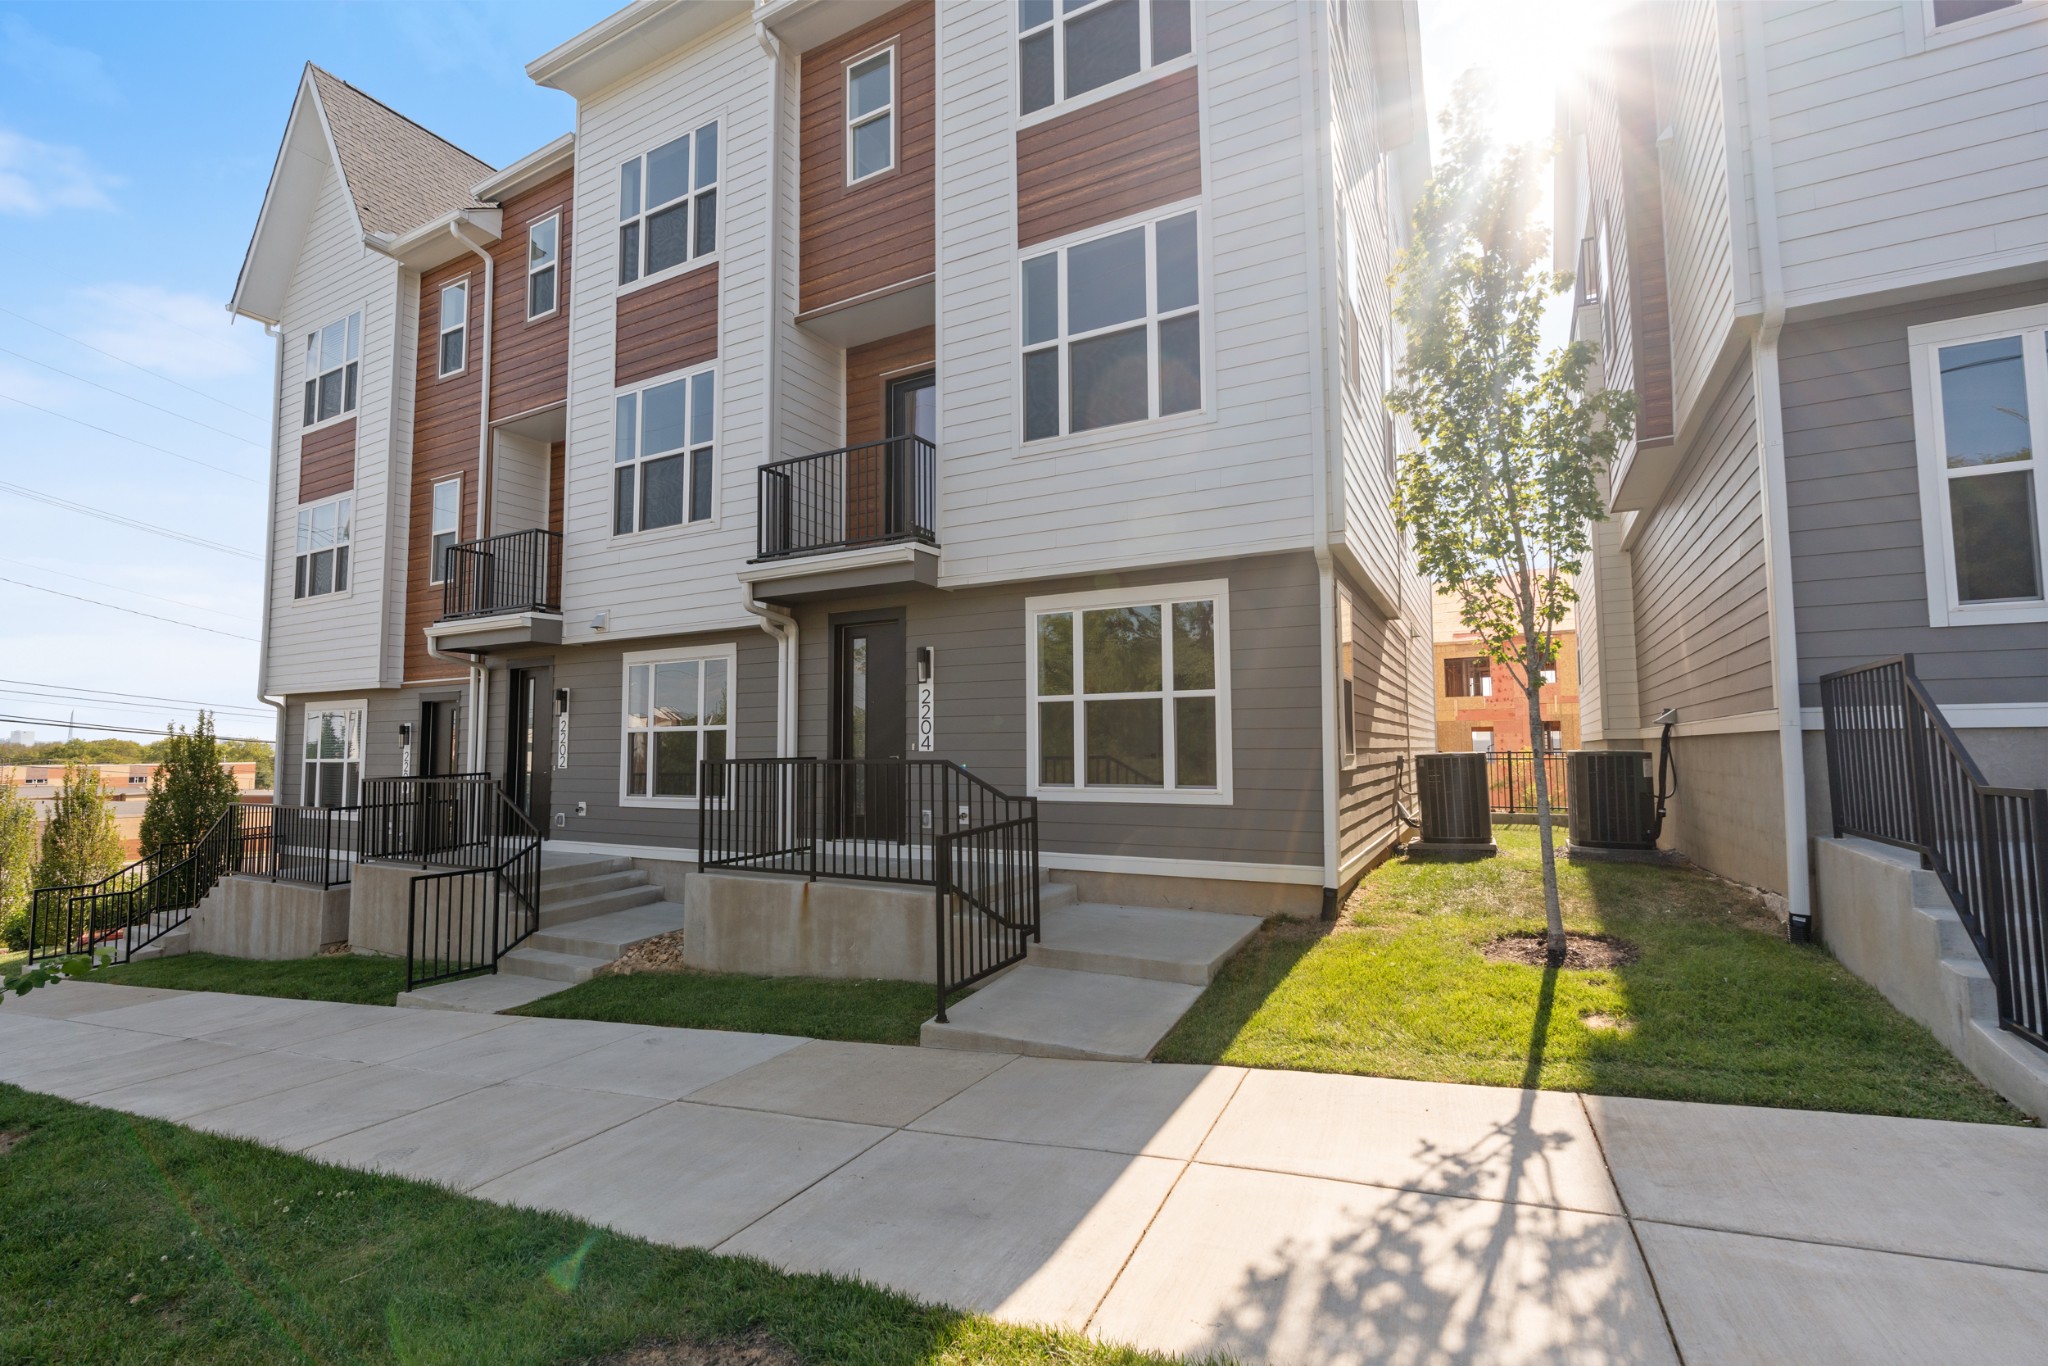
330, 977
1718, 1007
129, 1240
862, 1012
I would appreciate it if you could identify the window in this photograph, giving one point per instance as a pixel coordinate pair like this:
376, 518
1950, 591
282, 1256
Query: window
1067, 48
1553, 737
1482, 739
1547, 675
331, 360
333, 755
678, 712
322, 564
1468, 678
668, 205
871, 116
1948, 12
454, 328
543, 266
662, 453
1980, 399
1129, 695
447, 529
1112, 329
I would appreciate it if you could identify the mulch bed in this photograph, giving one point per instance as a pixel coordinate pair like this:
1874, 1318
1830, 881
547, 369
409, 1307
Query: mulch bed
755, 1349
1583, 952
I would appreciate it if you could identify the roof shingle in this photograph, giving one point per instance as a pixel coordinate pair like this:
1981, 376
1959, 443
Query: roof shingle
399, 174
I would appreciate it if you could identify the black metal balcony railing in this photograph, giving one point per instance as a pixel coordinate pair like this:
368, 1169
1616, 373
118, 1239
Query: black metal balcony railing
520, 571
861, 495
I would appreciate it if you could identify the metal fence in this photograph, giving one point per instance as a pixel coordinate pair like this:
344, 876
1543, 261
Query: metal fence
314, 845
858, 495
136, 905
442, 820
1511, 780
1899, 774
519, 571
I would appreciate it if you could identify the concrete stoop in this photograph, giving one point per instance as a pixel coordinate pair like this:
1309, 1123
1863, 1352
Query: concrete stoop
1104, 982
166, 945
592, 909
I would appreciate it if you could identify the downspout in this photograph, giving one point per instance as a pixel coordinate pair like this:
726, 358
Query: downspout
776, 622
276, 704
480, 669
1770, 417
1321, 223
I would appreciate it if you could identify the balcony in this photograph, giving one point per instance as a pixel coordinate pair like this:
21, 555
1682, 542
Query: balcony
860, 517
501, 591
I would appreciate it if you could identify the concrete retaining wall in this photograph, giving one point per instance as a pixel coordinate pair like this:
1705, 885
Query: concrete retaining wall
1890, 923
245, 917
784, 927
1299, 901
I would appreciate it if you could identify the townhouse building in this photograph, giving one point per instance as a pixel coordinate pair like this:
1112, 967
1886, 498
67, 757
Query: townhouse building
1812, 238
996, 383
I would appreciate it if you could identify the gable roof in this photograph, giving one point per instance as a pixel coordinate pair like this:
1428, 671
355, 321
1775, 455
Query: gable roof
399, 174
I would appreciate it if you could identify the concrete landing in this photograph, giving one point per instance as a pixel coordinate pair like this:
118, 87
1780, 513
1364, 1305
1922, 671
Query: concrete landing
1057, 1013
1141, 941
485, 995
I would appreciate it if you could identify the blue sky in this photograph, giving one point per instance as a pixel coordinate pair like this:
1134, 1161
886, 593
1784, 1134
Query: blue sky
135, 143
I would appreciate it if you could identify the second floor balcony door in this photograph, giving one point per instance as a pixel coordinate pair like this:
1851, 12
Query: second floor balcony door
869, 728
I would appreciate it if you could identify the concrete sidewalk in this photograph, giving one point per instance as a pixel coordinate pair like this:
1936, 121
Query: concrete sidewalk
1273, 1216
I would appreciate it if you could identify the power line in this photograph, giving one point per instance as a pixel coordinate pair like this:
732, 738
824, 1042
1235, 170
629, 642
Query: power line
132, 730
122, 393
124, 588
62, 692
119, 520
122, 436
135, 364
131, 611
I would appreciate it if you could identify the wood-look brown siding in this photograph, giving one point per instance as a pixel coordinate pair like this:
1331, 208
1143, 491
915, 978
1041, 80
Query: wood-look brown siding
444, 444
1643, 217
327, 462
530, 360
1125, 155
857, 239
869, 369
556, 454
667, 326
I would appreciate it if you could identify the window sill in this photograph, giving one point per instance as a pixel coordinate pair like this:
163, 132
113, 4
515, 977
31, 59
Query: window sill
334, 421
1127, 796
554, 312
1122, 85
1124, 432
621, 540
453, 374
665, 803
311, 598
1991, 614
663, 276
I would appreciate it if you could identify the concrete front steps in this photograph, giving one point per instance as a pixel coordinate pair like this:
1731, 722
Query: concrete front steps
1104, 982
592, 909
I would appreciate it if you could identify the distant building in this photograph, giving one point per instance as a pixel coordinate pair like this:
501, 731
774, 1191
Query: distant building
21, 737
1480, 706
125, 785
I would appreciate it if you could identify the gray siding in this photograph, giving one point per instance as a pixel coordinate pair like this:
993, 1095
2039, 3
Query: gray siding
1391, 701
1858, 562
979, 636
1702, 613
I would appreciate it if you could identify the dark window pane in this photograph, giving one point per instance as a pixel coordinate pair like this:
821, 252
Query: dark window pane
1056, 743
348, 388
330, 395
1042, 394
1984, 403
311, 386
668, 238
701, 407
661, 492
1173, 31
1032, 13
1101, 46
1120, 649
707, 154
664, 417
323, 573
1041, 298
714, 753
700, 485
1194, 741
1955, 11
629, 189
1997, 547
1126, 743
341, 570
1106, 281
668, 171
299, 578
1056, 654
636, 764
1034, 72
1194, 645
874, 147
1109, 383
1179, 280
629, 253
540, 293
622, 499
1180, 364
707, 223
451, 352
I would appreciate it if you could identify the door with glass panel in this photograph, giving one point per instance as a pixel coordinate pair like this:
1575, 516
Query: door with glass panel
866, 796
529, 771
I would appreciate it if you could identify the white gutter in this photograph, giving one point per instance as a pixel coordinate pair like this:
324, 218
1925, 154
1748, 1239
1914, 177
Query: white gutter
276, 333
480, 670
1316, 153
1770, 418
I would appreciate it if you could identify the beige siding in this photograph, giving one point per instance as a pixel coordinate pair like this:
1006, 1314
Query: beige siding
1699, 253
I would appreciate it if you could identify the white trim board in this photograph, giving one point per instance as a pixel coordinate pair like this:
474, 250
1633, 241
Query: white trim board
1289, 874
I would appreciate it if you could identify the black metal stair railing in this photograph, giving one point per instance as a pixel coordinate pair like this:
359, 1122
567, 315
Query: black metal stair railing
870, 494
1899, 774
134, 906
464, 919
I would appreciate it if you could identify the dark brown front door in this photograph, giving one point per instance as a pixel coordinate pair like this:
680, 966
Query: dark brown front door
870, 710
529, 768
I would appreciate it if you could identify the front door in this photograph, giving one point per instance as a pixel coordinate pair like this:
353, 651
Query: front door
528, 752
440, 739
870, 711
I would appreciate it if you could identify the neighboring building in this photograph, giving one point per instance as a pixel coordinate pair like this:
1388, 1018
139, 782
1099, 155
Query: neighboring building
1813, 238
21, 737
1481, 706
843, 346
125, 785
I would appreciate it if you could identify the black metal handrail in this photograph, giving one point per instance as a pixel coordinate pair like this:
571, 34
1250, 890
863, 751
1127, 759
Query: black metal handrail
313, 845
462, 920
869, 494
1899, 774
427, 820
1511, 780
137, 904
985, 898
519, 571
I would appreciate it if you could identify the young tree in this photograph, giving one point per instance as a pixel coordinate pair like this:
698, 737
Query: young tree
17, 866
1503, 483
189, 789
80, 840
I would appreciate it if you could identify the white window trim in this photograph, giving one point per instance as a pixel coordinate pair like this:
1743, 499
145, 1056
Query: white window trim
1204, 307
554, 265
717, 184
435, 572
1944, 607
848, 122
333, 594
1212, 590
727, 652
441, 332
307, 711
311, 374
686, 526
1146, 73
1921, 33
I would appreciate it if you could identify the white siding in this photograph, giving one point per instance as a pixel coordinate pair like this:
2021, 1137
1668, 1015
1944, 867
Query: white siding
1699, 253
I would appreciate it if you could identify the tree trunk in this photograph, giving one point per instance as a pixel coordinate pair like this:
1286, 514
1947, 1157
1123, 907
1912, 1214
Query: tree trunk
1553, 913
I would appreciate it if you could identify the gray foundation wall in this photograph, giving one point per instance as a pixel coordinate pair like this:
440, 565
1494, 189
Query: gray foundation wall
1727, 816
